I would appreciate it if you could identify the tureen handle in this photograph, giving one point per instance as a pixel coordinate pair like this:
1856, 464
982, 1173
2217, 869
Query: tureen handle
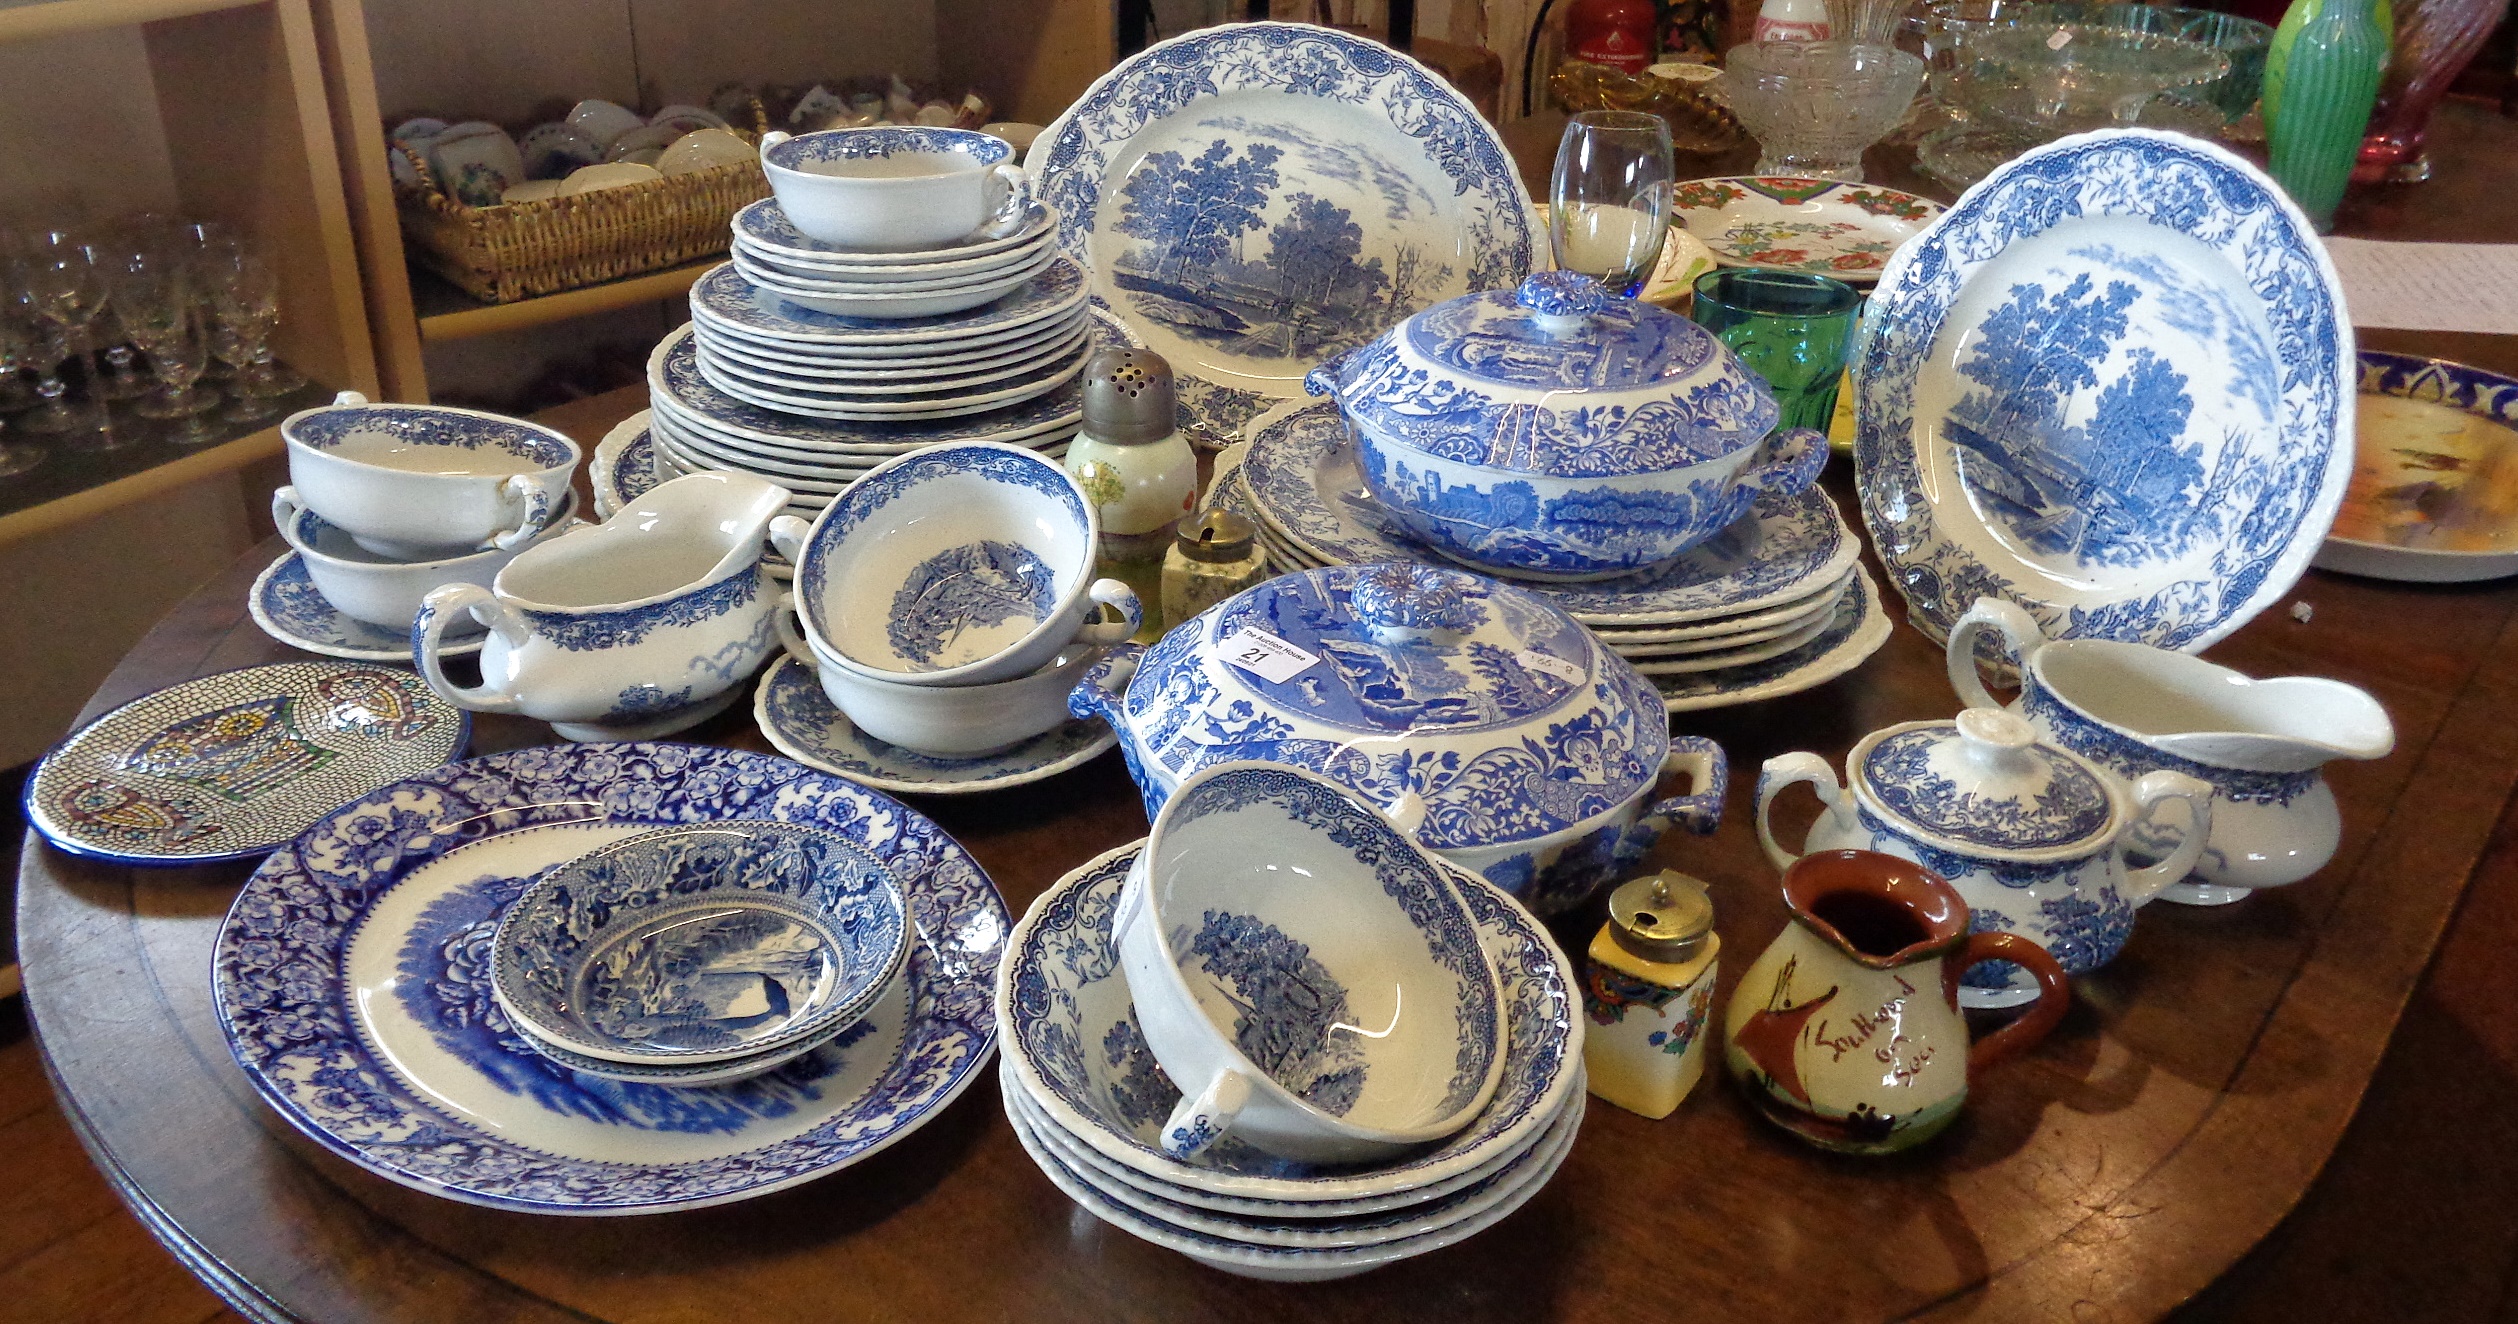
2021, 638
2154, 789
1781, 772
1699, 811
428, 632
1330, 377
1104, 684
1798, 455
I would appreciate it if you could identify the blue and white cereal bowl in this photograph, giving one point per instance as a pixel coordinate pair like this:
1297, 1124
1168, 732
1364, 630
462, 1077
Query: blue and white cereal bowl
422, 482
1556, 433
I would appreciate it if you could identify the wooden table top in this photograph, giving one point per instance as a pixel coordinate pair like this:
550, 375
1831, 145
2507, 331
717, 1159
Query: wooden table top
2178, 1113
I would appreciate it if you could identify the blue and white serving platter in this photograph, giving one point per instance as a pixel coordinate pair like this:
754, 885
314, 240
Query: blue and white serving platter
1301, 475
624, 465
233, 764
286, 604
2112, 383
351, 978
1255, 197
728, 302
763, 227
806, 726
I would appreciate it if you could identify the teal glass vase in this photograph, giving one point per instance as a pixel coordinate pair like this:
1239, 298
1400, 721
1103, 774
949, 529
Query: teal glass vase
2320, 83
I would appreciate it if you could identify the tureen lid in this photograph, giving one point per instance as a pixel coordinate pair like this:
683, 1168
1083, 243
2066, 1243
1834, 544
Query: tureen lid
1472, 712
1555, 378
1982, 784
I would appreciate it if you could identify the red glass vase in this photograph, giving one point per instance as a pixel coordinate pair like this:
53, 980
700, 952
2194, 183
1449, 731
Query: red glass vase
2435, 39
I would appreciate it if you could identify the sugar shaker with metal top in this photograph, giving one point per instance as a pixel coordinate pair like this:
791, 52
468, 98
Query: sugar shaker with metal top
1136, 467
1648, 989
1214, 557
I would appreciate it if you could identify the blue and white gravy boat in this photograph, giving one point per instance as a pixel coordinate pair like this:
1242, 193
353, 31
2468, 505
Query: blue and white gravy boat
1556, 433
641, 626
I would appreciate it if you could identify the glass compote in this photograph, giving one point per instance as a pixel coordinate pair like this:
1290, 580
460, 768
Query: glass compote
1813, 106
2076, 76
1609, 207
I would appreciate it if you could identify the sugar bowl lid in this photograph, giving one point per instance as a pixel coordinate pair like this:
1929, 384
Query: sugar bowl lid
1558, 378
1982, 784
1471, 711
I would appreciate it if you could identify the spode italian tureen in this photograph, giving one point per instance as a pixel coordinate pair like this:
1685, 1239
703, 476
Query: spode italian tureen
1557, 433
1476, 716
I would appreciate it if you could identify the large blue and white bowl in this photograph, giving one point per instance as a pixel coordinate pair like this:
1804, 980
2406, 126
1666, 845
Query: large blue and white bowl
954, 565
702, 943
896, 188
1291, 951
425, 482
1555, 433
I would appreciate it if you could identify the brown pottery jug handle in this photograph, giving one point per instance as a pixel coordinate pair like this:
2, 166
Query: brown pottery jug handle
2054, 995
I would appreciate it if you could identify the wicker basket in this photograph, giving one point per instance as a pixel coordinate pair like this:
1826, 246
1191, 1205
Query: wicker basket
523, 249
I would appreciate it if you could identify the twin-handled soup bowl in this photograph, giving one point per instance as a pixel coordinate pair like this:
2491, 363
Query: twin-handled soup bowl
893, 189
957, 565
1557, 433
1305, 973
381, 590
422, 482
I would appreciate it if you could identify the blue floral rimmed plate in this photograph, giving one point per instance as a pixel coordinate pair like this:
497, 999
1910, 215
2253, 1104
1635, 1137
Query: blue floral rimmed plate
1857, 631
350, 978
1254, 197
2112, 384
2429, 430
724, 299
624, 465
764, 226
1300, 474
806, 726
232, 764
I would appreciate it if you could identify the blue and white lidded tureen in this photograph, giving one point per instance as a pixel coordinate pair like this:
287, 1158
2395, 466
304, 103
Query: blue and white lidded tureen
1558, 433
2033, 837
1476, 716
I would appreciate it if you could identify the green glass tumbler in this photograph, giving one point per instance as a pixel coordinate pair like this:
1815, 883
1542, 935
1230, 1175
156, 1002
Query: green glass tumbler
1791, 329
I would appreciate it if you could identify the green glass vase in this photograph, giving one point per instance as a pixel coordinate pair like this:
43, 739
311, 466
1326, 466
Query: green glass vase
2320, 83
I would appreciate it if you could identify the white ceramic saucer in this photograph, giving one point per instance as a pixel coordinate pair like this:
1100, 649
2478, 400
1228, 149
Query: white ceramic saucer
801, 721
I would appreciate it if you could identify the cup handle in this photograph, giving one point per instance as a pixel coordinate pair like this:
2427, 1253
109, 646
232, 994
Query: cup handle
772, 139
1112, 593
1780, 772
1699, 811
2054, 995
540, 496
2020, 634
2153, 789
1196, 1124
1005, 215
782, 615
428, 632
1798, 455
789, 534
285, 508
347, 399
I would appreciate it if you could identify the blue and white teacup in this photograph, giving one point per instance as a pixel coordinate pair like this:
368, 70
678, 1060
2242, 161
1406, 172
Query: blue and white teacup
422, 482
895, 189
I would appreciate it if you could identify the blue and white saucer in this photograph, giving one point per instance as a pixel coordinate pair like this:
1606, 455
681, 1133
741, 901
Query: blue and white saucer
2113, 383
351, 979
230, 765
1858, 629
286, 604
806, 726
763, 226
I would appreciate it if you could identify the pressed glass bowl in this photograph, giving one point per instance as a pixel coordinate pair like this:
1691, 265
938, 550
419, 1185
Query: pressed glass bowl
2078, 76
1813, 106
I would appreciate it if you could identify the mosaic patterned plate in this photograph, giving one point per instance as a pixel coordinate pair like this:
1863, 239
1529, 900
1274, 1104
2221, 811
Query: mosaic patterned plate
1253, 198
2113, 384
286, 604
231, 765
356, 955
1815, 226
1301, 476
806, 726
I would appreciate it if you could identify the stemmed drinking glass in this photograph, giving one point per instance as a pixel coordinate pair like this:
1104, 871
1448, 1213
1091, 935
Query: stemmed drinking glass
16, 341
156, 303
251, 298
1609, 208
65, 290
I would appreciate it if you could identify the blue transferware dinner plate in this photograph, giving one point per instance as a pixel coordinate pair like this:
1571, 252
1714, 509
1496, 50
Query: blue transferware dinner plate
806, 726
726, 301
233, 764
1857, 630
624, 465
2113, 384
1256, 197
1301, 476
947, 400
351, 977
763, 227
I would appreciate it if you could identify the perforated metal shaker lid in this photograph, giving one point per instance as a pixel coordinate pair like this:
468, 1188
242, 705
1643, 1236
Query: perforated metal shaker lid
1129, 398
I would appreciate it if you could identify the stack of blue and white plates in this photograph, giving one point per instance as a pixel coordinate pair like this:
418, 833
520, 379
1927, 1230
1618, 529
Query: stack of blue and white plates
1088, 1101
982, 341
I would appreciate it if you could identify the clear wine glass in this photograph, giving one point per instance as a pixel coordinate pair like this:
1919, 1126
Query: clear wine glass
65, 289
157, 308
234, 343
1609, 208
256, 292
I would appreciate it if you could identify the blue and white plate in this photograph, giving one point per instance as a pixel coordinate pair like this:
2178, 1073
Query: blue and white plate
286, 604
351, 979
806, 726
725, 300
230, 765
2113, 383
1044, 373
832, 373
1255, 197
2419, 509
1301, 476
624, 465
1851, 636
762, 226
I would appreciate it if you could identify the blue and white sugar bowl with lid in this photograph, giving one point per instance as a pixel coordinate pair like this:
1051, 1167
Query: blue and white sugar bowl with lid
1555, 432
1476, 716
